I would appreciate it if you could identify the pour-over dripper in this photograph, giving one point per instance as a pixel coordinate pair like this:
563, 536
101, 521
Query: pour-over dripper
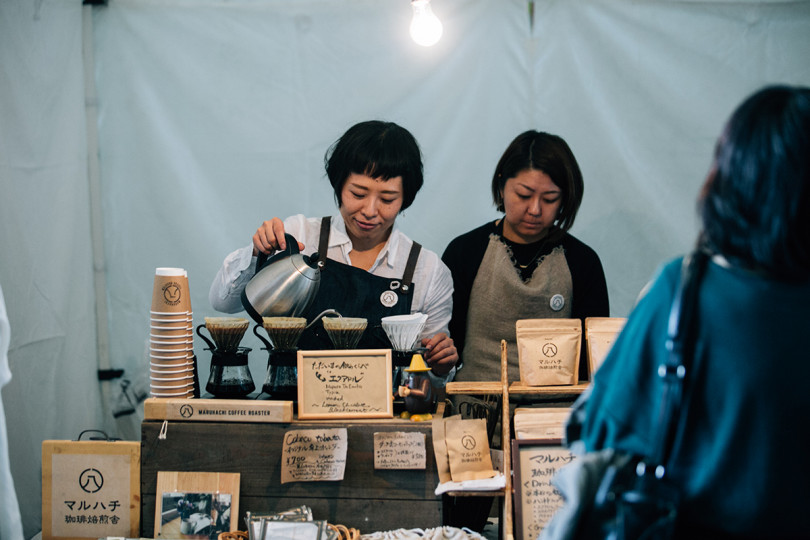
281, 380
284, 332
344, 332
404, 330
226, 332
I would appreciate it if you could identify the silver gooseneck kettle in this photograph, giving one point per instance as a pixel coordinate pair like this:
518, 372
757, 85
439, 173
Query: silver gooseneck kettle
284, 285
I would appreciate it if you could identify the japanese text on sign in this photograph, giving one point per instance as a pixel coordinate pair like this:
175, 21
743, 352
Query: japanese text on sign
344, 384
311, 455
539, 499
399, 450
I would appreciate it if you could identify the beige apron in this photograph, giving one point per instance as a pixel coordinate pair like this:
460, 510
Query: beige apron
499, 298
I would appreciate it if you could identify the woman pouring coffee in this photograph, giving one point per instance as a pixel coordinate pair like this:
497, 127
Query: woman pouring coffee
371, 269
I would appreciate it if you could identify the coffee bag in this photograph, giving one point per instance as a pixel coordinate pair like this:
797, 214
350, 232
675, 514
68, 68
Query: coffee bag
468, 449
548, 351
600, 333
440, 448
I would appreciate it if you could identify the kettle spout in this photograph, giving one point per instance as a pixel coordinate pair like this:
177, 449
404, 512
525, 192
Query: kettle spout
323, 314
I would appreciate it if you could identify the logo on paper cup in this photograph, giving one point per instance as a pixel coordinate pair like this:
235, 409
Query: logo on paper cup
172, 293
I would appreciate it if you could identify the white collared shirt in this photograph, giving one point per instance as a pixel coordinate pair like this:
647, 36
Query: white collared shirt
432, 282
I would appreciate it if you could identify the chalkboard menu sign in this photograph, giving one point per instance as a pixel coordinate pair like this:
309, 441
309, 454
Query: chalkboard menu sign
536, 499
345, 384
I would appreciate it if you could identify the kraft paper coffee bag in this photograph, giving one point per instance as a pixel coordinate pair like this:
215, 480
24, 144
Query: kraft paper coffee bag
600, 333
548, 351
468, 449
440, 448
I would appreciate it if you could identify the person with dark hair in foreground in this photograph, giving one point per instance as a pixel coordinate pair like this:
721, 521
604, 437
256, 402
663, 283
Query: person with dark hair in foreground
740, 459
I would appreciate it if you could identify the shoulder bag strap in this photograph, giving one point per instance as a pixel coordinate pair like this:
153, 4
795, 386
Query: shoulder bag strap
681, 328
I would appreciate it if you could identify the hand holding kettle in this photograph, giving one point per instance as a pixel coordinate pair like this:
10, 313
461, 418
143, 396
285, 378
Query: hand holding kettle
269, 238
285, 284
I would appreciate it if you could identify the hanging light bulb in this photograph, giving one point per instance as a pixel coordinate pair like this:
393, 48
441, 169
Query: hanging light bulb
426, 28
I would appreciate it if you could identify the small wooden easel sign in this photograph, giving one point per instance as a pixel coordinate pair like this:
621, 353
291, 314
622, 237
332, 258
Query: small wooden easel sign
345, 384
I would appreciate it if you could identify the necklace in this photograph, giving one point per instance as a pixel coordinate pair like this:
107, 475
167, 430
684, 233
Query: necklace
530, 253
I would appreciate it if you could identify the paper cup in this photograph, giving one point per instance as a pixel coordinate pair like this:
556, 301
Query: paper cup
169, 314
164, 324
158, 374
168, 364
170, 340
170, 291
171, 343
165, 386
170, 356
169, 352
165, 391
174, 333
171, 381
170, 395
168, 370
177, 345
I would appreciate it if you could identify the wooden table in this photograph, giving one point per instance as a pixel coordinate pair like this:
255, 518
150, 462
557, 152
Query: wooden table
367, 499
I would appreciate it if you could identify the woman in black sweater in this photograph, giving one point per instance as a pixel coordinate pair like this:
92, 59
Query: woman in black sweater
525, 265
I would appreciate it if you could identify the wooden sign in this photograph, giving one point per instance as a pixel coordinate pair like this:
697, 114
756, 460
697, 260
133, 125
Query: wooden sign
399, 450
90, 489
536, 499
218, 410
313, 455
345, 384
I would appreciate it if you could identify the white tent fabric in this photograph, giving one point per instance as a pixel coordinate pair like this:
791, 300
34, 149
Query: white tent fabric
10, 519
44, 238
215, 115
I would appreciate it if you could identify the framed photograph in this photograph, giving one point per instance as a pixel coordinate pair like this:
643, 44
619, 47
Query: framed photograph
345, 384
196, 505
535, 461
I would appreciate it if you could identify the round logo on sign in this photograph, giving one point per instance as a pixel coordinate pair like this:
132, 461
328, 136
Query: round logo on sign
389, 298
91, 480
557, 302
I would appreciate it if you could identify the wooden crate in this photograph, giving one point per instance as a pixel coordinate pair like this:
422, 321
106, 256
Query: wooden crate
367, 499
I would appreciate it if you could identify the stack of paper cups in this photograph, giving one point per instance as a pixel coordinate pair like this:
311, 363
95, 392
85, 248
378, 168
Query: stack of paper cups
171, 351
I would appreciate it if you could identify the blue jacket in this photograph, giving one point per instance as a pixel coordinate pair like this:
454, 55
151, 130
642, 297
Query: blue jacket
742, 458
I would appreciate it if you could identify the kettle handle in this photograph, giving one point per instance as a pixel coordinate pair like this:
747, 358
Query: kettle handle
292, 248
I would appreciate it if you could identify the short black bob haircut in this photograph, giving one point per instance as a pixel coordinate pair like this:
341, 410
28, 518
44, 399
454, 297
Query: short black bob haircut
379, 150
537, 150
755, 203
